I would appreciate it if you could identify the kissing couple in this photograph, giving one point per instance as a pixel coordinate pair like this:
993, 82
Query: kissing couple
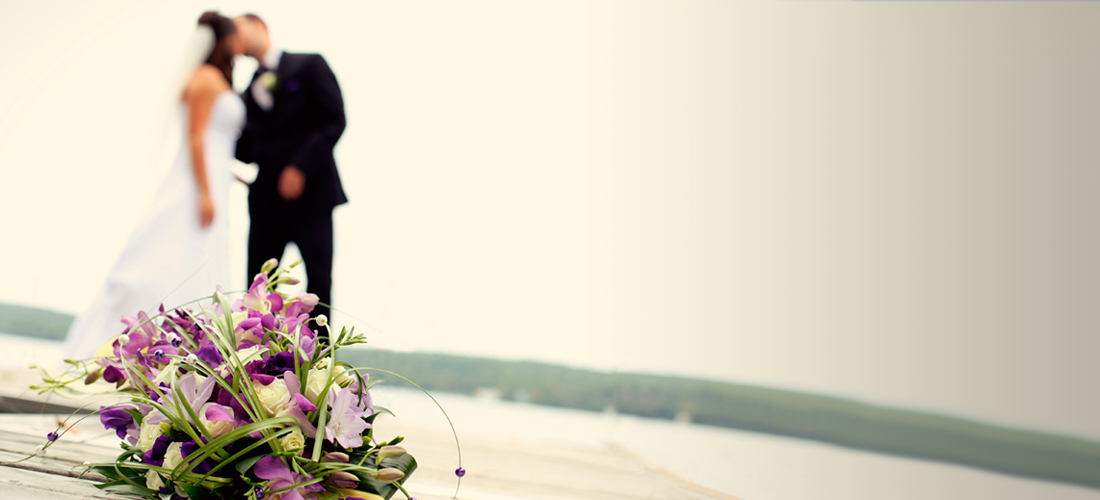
287, 122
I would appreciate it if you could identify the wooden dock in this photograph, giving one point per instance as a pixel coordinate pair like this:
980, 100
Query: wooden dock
497, 469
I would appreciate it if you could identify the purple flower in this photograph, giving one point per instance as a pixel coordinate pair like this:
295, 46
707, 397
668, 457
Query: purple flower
209, 354
191, 447
239, 412
279, 476
138, 341
365, 402
220, 413
309, 344
194, 394
113, 375
155, 455
308, 301
295, 317
346, 424
276, 302
139, 338
118, 419
181, 319
160, 353
299, 404
279, 363
52, 436
263, 379
255, 299
143, 320
248, 324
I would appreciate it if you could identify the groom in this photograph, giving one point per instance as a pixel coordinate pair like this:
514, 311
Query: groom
295, 116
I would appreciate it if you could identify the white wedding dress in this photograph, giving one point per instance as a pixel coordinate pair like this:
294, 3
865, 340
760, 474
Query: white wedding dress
170, 258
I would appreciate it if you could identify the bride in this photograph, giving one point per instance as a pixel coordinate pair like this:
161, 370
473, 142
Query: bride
180, 251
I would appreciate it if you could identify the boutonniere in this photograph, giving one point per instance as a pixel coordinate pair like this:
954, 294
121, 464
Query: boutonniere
269, 80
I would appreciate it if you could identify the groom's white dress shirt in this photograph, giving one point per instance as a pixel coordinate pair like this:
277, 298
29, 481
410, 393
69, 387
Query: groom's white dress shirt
270, 62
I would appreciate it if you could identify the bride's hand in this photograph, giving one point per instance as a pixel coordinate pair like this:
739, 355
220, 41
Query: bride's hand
206, 210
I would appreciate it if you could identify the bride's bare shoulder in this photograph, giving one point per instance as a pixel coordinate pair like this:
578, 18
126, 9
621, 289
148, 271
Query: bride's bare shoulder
207, 81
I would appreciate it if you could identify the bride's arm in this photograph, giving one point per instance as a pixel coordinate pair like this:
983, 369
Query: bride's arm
199, 95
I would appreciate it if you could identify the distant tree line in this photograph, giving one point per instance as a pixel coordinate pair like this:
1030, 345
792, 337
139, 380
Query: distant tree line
34, 322
833, 420
827, 419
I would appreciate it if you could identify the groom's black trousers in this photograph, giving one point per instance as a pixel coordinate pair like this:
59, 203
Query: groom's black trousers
268, 237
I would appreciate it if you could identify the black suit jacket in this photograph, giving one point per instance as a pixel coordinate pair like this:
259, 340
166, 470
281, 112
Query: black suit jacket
301, 130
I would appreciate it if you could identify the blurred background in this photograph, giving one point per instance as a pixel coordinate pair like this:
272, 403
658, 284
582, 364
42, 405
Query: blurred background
650, 210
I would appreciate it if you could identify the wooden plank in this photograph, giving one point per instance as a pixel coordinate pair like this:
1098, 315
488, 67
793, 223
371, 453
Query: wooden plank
497, 468
20, 484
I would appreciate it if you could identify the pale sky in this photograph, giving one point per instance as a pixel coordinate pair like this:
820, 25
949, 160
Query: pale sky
889, 201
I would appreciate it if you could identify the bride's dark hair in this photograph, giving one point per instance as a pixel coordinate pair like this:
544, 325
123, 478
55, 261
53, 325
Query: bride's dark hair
222, 56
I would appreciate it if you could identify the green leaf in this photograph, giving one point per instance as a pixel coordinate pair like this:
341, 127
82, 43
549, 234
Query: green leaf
383, 409
323, 415
262, 442
128, 489
136, 414
247, 463
109, 472
208, 449
193, 492
109, 484
405, 463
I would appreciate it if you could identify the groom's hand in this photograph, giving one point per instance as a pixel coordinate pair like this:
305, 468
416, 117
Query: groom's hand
291, 183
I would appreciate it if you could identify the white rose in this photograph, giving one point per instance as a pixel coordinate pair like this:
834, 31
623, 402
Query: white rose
173, 456
153, 480
251, 352
165, 375
272, 396
318, 379
343, 376
216, 428
148, 435
293, 441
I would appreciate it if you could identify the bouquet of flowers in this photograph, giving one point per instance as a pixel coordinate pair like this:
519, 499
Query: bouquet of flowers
242, 400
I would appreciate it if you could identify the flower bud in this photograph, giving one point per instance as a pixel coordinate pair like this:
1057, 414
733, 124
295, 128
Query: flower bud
123, 339
269, 265
322, 320
40, 451
342, 479
288, 279
219, 296
389, 451
354, 494
335, 456
93, 377
389, 475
